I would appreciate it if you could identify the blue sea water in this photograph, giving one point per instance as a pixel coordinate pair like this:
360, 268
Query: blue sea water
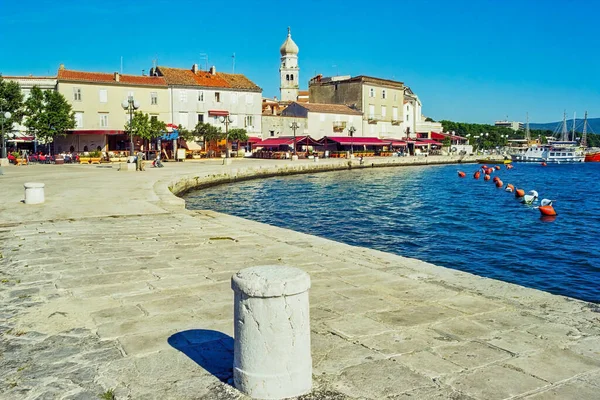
429, 213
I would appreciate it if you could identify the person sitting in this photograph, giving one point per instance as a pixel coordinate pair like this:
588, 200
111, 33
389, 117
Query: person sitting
157, 163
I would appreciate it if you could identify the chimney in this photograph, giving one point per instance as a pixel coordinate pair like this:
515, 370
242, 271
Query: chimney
143, 72
213, 70
61, 67
117, 77
195, 68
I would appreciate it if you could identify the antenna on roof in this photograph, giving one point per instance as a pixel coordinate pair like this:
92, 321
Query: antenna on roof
204, 56
121, 65
233, 64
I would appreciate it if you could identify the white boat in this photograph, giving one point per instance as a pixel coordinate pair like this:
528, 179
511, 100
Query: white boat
563, 151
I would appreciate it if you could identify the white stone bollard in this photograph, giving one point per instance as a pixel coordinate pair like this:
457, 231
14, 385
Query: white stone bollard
34, 193
272, 357
295, 157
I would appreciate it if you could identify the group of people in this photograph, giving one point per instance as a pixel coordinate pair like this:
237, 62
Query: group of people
139, 162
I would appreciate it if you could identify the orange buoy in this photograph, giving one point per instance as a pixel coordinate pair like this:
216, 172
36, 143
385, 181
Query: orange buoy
484, 167
544, 163
508, 166
547, 210
519, 193
496, 178
476, 175
497, 167
489, 171
499, 183
486, 177
461, 174
510, 187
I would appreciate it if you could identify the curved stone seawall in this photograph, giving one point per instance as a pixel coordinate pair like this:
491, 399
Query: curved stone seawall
184, 184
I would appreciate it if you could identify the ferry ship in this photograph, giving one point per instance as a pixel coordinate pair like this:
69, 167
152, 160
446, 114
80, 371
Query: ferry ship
554, 152
563, 151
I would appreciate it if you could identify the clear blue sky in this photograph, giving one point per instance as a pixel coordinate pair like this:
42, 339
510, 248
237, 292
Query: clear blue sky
474, 61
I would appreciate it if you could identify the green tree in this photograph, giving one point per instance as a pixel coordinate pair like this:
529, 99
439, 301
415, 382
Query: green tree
11, 100
48, 115
238, 135
186, 134
34, 110
208, 132
139, 125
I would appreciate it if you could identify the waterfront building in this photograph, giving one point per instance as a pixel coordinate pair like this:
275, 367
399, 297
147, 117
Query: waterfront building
380, 101
196, 95
514, 125
96, 99
321, 120
19, 134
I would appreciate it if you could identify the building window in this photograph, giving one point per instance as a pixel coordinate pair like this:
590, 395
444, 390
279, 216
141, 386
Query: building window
322, 117
201, 96
383, 111
200, 118
183, 96
406, 108
249, 120
183, 119
103, 96
153, 98
77, 94
287, 77
383, 94
249, 98
406, 117
371, 111
78, 120
103, 120
395, 113
154, 118
371, 92
234, 98
272, 133
217, 97
291, 77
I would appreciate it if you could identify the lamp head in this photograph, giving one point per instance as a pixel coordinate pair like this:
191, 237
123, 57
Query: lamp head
136, 104
7, 115
125, 104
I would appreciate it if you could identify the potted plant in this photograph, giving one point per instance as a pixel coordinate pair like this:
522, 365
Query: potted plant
84, 158
95, 157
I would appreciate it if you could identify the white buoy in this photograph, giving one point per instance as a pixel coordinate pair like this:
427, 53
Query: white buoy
272, 357
34, 193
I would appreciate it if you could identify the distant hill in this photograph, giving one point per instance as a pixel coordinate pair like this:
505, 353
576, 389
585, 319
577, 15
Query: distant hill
593, 125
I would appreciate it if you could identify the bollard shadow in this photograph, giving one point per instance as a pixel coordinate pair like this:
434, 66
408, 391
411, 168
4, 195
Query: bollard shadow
212, 350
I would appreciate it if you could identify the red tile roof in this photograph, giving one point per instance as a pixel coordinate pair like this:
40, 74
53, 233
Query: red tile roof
187, 77
102, 77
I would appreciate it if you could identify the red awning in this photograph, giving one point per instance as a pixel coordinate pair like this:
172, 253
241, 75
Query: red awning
442, 136
395, 142
429, 141
287, 141
361, 140
218, 113
253, 139
95, 132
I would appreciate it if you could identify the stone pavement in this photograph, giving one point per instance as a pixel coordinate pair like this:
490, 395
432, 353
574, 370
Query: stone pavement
112, 285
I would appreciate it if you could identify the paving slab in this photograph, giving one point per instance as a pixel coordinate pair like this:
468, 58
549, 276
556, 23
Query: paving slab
127, 290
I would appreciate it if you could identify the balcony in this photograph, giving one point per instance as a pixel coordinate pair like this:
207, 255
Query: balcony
372, 119
396, 122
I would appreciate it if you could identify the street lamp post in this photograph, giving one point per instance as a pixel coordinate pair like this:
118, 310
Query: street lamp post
4, 116
226, 120
130, 105
294, 125
351, 131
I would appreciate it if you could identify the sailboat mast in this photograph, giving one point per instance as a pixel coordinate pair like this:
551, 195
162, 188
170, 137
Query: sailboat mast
584, 133
563, 136
527, 132
574, 119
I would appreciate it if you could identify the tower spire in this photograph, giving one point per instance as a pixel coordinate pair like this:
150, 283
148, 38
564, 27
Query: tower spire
289, 32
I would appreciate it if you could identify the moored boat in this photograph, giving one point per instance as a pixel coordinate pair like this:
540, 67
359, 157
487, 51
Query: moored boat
493, 161
592, 156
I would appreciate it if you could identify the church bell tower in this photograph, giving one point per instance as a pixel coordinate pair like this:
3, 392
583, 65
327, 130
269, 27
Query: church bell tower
289, 73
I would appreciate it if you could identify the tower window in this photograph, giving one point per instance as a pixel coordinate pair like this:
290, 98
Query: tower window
287, 77
291, 77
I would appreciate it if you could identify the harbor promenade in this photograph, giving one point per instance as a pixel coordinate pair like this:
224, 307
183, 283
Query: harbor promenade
113, 287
